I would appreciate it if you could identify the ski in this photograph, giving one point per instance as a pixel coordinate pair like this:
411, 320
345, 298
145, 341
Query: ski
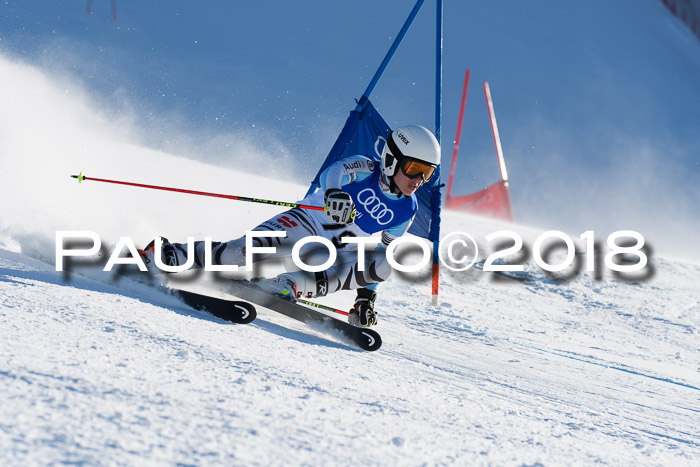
366, 339
235, 311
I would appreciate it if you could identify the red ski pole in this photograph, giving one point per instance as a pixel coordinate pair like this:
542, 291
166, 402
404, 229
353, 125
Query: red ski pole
82, 177
322, 307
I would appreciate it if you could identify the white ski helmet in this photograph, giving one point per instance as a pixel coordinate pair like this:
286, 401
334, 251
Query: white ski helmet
413, 149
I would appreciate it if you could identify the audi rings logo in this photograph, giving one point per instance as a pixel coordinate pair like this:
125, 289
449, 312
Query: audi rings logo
374, 206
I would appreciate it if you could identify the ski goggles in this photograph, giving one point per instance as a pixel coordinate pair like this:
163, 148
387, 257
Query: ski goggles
413, 168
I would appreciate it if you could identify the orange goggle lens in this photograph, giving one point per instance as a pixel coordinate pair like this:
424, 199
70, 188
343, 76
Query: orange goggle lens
413, 169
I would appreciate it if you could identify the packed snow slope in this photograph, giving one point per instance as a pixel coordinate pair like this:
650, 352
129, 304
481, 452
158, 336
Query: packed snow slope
100, 369
519, 371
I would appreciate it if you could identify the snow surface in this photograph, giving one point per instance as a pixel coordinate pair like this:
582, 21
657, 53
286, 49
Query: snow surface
505, 371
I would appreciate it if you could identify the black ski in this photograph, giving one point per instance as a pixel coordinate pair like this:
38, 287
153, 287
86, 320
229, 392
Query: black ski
235, 311
366, 339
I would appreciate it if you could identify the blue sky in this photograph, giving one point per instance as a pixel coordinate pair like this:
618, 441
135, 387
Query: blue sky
597, 101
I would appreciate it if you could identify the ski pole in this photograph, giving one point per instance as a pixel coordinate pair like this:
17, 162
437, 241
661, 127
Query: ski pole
322, 307
82, 177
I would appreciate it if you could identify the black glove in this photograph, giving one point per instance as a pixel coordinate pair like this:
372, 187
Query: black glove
362, 313
339, 206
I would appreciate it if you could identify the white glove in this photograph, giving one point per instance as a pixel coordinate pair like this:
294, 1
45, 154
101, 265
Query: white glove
339, 206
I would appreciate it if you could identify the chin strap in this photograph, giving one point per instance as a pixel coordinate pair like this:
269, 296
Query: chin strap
395, 189
388, 185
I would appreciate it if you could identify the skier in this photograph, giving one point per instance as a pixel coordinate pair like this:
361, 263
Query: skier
360, 198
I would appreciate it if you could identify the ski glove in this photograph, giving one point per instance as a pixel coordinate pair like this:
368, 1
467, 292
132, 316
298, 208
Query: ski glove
363, 314
339, 206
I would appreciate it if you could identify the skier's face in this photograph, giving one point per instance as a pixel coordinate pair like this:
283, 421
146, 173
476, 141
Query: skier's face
408, 186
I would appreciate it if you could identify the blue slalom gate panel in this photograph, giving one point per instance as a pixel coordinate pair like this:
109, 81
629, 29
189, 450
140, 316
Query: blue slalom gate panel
365, 134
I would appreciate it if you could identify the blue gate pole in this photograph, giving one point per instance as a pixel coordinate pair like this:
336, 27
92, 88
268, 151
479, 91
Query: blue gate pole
438, 127
395, 45
438, 72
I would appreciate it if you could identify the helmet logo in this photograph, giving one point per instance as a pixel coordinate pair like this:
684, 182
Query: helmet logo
402, 137
374, 207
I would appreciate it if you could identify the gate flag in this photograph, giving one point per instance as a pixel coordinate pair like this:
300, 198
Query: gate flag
492, 201
365, 134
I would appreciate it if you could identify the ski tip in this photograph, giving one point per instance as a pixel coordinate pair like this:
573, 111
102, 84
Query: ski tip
369, 340
80, 177
246, 312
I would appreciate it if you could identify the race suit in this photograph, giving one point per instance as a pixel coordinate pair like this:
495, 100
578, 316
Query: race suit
377, 210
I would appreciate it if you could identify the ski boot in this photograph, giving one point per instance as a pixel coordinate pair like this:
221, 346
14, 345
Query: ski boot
362, 313
293, 285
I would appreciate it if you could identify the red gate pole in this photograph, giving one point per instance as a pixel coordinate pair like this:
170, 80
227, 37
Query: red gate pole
459, 133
